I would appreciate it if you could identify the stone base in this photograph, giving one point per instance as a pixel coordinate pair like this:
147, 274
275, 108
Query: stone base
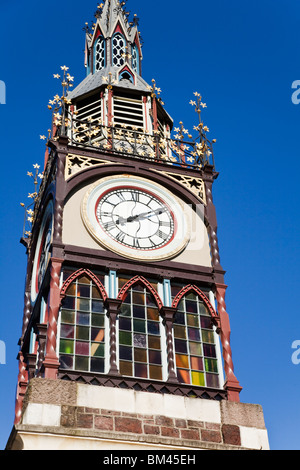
60, 415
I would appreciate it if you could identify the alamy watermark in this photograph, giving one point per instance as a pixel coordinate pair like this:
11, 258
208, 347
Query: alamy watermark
296, 94
296, 353
2, 353
2, 92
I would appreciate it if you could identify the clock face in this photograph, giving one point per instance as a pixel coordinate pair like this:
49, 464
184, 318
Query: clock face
42, 252
135, 218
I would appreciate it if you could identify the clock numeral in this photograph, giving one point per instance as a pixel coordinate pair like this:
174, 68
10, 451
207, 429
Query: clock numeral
162, 235
135, 196
136, 243
109, 225
120, 237
164, 224
121, 196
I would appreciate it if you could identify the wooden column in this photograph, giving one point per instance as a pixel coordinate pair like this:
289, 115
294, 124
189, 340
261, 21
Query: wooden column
21, 388
113, 306
168, 314
51, 362
232, 384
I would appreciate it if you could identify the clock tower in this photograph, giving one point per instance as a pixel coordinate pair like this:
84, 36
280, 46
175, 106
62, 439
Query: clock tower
126, 339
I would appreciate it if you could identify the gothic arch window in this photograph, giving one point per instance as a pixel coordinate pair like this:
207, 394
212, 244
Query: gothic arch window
141, 340
135, 59
83, 342
118, 50
195, 340
126, 76
99, 54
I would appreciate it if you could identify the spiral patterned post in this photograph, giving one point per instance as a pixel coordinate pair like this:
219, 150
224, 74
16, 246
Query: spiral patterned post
21, 388
113, 306
232, 384
51, 362
212, 227
168, 314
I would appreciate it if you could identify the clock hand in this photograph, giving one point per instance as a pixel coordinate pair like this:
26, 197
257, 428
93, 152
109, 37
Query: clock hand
147, 214
132, 218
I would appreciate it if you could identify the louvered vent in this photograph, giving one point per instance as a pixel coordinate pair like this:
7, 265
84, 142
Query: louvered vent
128, 111
89, 108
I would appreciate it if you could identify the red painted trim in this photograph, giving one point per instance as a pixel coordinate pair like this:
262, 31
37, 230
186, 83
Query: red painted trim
185, 290
140, 280
119, 30
79, 273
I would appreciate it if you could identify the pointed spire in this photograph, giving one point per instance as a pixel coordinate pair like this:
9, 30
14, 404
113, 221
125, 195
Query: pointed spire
113, 39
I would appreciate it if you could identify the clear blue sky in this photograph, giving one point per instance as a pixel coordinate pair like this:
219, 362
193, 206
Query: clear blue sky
243, 58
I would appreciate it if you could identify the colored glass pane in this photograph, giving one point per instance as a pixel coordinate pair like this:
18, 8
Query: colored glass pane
81, 363
82, 332
198, 379
152, 314
97, 365
154, 342
97, 350
83, 290
82, 348
67, 331
66, 362
125, 368
209, 350
139, 326
154, 357
140, 370
66, 346
183, 376
71, 290
97, 306
140, 355
193, 320
67, 316
212, 380
211, 365
155, 372
98, 320
125, 338
182, 361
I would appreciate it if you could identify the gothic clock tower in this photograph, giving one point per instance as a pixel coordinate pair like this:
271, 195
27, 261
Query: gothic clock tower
126, 339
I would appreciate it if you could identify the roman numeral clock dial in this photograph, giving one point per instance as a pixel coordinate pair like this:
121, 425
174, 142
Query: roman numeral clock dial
135, 217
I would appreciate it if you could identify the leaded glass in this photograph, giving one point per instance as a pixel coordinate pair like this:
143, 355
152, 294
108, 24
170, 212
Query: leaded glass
118, 50
139, 335
194, 339
82, 328
99, 54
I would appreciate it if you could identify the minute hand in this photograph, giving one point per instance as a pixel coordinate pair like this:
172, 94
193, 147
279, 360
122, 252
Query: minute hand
160, 210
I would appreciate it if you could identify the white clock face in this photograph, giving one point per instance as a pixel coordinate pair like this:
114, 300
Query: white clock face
42, 252
135, 217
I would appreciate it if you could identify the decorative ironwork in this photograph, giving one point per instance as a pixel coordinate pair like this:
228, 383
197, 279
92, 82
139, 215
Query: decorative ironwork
29, 213
139, 143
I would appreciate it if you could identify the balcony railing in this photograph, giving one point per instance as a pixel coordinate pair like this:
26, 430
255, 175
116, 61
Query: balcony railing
138, 143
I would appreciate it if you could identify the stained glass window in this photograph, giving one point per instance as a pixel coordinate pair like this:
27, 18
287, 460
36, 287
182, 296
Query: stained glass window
82, 328
140, 349
195, 348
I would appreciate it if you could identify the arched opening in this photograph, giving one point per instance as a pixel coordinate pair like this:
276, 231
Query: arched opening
196, 351
82, 332
140, 328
